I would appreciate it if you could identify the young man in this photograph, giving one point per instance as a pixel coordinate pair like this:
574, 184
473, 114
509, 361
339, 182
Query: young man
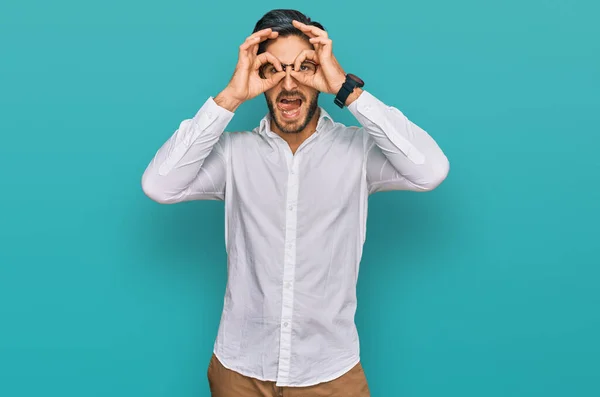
296, 189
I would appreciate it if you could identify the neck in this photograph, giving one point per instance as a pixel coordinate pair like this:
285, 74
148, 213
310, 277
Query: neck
295, 139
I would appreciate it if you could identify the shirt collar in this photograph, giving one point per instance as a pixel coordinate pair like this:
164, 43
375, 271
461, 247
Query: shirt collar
265, 123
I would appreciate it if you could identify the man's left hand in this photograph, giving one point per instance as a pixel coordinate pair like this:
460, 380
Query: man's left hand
330, 76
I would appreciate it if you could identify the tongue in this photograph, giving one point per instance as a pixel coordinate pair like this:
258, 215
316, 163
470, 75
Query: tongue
290, 105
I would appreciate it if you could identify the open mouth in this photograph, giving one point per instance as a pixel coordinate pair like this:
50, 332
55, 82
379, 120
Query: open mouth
290, 107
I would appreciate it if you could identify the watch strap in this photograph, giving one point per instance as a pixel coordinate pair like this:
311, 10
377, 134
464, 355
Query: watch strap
345, 91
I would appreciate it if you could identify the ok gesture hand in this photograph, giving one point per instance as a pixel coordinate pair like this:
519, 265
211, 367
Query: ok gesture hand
330, 76
246, 83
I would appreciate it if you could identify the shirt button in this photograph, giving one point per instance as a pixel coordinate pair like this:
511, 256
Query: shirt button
288, 285
285, 324
291, 207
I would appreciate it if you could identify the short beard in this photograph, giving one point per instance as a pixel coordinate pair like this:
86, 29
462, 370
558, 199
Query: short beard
313, 106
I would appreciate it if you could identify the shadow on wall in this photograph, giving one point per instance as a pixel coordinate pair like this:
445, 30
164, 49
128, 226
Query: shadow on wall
183, 244
409, 235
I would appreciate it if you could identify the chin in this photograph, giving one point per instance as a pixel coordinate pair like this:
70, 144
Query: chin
291, 122
292, 113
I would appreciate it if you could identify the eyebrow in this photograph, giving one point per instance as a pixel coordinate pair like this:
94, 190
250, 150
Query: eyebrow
291, 63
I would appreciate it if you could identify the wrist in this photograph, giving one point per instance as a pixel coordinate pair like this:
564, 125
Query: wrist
335, 88
349, 91
227, 101
353, 96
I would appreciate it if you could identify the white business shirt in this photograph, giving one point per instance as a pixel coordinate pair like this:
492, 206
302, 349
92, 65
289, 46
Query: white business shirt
295, 225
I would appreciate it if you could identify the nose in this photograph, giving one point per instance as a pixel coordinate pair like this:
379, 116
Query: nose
289, 83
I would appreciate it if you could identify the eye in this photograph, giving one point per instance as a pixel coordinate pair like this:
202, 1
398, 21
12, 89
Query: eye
267, 67
307, 67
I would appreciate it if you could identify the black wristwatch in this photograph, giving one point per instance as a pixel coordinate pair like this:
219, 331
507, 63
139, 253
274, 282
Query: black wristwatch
351, 82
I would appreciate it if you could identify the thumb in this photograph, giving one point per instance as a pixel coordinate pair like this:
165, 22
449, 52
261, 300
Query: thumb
276, 78
302, 78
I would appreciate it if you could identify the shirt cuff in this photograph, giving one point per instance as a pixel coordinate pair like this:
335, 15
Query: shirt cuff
363, 103
210, 111
210, 115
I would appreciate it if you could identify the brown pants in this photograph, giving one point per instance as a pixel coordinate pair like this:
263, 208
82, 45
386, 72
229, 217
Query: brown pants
224, 382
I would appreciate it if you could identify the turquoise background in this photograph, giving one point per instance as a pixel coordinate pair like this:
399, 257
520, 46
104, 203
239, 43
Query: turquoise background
487, 286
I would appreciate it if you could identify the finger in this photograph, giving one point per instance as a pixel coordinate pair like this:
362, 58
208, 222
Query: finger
323, 45
263, 36
250, 42
302, 78
271, 36
267, 57
261, 33
303, 56
257, 38
276, 78
310, 30
320, 40
253, 50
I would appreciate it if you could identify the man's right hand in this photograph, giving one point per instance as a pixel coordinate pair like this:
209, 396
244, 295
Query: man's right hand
246, 82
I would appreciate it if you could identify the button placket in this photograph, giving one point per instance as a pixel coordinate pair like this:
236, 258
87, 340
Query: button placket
288, 270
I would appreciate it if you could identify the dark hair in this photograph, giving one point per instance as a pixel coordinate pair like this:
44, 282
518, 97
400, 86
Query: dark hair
280, 20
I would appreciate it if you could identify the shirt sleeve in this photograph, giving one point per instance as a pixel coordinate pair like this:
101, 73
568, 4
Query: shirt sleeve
399, 154
191, 164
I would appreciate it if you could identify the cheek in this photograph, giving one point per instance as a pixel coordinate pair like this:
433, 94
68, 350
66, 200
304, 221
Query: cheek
310, 94
312, 97
271, 94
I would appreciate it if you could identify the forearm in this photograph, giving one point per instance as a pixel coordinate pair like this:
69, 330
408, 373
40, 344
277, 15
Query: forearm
179, 160
409, 149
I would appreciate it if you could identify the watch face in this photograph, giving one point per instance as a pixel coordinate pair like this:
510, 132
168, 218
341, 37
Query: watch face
357, 79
